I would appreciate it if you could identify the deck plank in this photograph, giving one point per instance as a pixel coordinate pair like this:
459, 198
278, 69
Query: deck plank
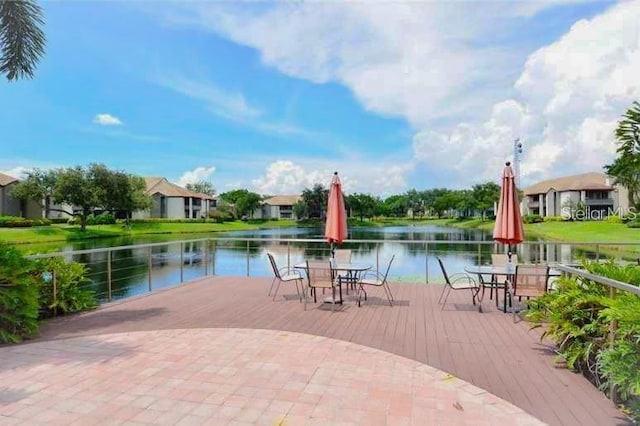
486, 349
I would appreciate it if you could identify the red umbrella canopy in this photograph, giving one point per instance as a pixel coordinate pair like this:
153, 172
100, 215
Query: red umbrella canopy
336, 227
508, 228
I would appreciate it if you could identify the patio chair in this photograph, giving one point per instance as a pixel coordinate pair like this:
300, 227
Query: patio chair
459, 281
529, 281
320, 274
499, 260
284, 274
344, 256
378, 280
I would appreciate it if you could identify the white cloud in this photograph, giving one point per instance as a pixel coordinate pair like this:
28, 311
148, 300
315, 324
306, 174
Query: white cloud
222, 103
196, 175
107, 120
289, 177
18, 172
467, 94
570, 96
231, 106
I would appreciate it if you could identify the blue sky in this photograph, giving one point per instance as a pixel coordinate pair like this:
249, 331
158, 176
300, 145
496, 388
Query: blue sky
274, 96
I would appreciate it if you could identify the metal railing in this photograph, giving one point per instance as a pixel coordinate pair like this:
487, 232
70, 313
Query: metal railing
122, 271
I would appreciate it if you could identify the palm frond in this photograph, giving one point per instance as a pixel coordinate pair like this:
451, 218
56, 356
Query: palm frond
22, 39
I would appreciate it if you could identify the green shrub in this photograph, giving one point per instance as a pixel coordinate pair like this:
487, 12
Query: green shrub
220, 216
613, 218
532, 218
101, 219
69, 296
633, 224
18, 296
553, 219
577, 317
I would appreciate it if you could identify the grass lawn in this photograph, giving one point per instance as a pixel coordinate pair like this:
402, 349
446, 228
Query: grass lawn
53, 233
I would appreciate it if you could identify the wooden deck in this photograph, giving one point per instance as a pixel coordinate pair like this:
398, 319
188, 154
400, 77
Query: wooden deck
486, 349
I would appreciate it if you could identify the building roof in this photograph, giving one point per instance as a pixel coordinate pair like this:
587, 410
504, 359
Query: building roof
160, 185
582, 182
6, 179
282, 200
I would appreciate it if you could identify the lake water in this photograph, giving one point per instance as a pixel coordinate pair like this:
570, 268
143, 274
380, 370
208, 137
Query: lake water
230, 253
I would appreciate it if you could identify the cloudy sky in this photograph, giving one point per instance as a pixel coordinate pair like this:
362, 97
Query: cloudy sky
276, 96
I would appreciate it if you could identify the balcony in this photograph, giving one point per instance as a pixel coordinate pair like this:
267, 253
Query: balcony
599, 201
533, 204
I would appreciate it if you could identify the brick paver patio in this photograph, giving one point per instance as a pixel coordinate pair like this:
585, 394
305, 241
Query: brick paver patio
487, 350
233, 376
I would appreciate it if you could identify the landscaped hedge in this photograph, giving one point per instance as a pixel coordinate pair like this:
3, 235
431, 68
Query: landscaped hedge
577, 317
26, 292
532, 218
21, 222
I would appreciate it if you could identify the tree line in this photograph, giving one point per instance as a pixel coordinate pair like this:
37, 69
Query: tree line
438, 202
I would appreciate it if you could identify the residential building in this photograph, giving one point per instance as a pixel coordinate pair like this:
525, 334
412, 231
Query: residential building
583, 196
10, 206
172, 201
277, 207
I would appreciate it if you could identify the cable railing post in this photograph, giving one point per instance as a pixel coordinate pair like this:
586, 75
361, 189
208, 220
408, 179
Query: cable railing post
248, 247
150, 268
426, 263
288, 254
213, 259
109, 294
613, 328
54, 282
181, 262
377, 258
206, 257
597, 251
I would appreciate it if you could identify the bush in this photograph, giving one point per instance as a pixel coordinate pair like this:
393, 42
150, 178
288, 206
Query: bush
634, 224
553, 219
220, 216
101, 219
18, 296
532, 218
69, 297
613, 219
15, 222
577, 317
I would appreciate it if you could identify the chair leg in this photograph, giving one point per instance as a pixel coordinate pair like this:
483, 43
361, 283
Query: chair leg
275, 293
444, 289
387, 290
444, 302
273, 281
388, 294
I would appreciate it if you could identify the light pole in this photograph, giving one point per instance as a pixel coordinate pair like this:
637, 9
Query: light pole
517, 154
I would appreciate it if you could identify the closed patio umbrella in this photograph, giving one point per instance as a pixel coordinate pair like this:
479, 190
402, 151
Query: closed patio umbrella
336, 226
508, 228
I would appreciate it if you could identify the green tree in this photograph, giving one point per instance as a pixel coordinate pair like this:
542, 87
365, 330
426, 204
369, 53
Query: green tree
244, 201
84, 190
362, 205
22, 40
246, 205
625, 169
38, 186
415, 202
315, 200
484, 196
396, 205
203, 187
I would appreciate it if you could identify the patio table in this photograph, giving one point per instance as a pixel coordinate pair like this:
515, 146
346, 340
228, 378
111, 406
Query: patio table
353, 269
498, 271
